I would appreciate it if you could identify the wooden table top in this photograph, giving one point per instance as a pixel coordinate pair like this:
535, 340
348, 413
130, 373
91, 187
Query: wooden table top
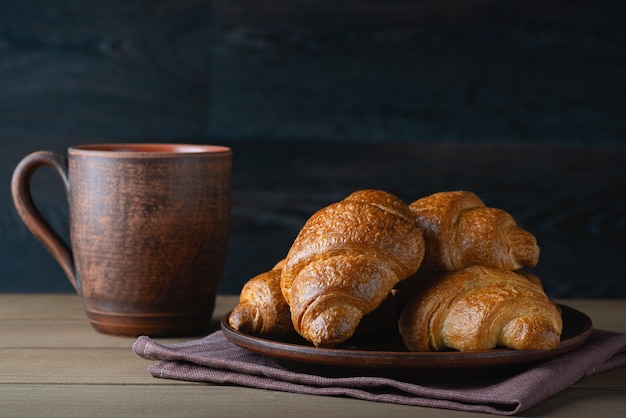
52, 363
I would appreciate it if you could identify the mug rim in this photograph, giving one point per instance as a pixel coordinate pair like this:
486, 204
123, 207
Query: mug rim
149, 149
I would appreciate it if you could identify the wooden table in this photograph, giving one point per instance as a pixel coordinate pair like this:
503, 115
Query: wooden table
52, 363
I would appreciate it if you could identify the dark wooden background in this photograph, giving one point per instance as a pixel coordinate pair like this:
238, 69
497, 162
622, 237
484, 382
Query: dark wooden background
521, 102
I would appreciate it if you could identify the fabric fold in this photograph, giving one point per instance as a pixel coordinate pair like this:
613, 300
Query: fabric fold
214, 359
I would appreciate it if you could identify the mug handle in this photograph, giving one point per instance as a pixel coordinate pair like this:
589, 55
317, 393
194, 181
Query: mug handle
32, 217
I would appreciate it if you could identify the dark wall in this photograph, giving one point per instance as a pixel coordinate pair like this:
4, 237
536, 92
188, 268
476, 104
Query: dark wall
521, 102
78, 72
407, 70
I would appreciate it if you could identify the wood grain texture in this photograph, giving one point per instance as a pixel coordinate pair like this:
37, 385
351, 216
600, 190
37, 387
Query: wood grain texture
111, 70
552, 191
384, 76
101, 400
75, 73
62, 318
192, 400
419, 70
571, 198
99, 376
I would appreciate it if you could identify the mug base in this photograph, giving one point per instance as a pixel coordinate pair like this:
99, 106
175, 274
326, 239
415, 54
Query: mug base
162, 325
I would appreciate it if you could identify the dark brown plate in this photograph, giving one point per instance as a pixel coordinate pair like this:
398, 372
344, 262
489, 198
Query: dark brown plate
389, 352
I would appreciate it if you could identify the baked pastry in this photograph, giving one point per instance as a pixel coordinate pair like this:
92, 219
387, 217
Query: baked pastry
345, 261
480, 308
262, 309
460, 231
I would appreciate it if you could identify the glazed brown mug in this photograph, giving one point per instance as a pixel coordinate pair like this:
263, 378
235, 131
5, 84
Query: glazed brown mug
149, 230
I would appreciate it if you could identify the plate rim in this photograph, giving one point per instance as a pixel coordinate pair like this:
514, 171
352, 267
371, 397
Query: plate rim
386, 359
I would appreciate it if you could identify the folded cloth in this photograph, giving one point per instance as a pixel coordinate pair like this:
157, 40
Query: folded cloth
214, 359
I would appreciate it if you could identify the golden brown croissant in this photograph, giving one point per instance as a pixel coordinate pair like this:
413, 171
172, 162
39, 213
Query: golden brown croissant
479, 308
345, 261
460, 231
262, 309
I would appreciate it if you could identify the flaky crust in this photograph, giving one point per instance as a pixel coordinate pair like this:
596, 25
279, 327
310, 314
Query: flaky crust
262, 309
460, 231
479, 308
345, 261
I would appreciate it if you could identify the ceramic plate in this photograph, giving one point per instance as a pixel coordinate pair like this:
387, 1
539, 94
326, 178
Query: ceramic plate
389, 353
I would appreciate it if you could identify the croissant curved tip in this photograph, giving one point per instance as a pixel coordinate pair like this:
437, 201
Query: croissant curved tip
243, 318
524, 247
524, 333
345, 319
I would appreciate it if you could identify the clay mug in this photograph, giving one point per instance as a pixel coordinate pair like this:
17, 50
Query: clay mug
148, 235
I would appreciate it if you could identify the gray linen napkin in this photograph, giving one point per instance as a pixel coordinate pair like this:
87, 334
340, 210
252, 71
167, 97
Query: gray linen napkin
214, 359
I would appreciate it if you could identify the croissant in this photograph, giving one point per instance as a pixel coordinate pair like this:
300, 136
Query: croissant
460, 231
345, 261
480, 308
262, 309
